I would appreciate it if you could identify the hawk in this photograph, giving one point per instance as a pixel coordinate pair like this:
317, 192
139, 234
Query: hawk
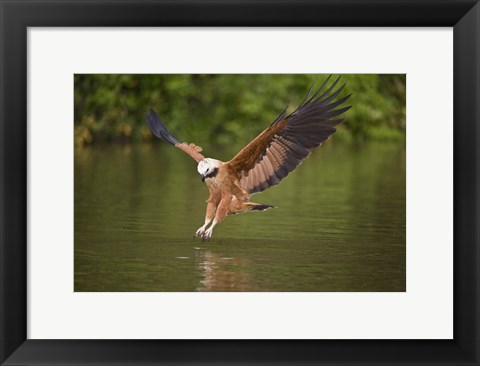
266, 160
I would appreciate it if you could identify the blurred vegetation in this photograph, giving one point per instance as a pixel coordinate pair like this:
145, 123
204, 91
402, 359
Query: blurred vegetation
225, 109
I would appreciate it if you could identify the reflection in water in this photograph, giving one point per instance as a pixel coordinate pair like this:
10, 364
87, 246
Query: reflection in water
339, 224
221, 273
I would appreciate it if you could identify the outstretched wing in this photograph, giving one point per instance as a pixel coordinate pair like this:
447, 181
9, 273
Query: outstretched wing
160, 130
280, 148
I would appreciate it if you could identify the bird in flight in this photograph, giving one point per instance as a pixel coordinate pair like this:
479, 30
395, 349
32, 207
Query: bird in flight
266, 160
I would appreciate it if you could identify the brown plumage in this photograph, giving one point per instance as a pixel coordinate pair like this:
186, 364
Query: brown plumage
192, 150
266, 160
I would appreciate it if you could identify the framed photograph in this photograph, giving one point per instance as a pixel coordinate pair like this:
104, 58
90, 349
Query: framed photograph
239, 183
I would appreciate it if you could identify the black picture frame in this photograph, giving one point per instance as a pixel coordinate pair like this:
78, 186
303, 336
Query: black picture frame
17, 15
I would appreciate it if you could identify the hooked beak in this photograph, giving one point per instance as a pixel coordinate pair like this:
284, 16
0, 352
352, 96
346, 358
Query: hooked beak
203, 178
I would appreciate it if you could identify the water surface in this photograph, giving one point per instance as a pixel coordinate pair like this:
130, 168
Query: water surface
338, 225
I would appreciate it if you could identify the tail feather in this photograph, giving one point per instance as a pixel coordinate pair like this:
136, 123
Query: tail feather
259, 206
159, 129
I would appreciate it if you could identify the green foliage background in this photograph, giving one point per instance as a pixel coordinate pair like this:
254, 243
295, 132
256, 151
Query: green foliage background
226, 109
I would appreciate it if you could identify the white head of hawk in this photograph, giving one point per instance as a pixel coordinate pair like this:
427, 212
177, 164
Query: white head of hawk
208, 168
267, 159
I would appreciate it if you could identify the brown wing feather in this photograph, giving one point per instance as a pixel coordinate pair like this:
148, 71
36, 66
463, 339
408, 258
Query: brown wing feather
280, 148
192, 150
248, 156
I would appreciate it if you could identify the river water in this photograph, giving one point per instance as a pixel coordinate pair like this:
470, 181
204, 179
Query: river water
338, 225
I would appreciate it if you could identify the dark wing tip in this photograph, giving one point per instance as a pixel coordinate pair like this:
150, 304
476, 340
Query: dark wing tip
158, 128
280, 117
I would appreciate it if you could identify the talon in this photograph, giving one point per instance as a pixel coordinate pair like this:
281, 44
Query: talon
199, 232
207, 234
